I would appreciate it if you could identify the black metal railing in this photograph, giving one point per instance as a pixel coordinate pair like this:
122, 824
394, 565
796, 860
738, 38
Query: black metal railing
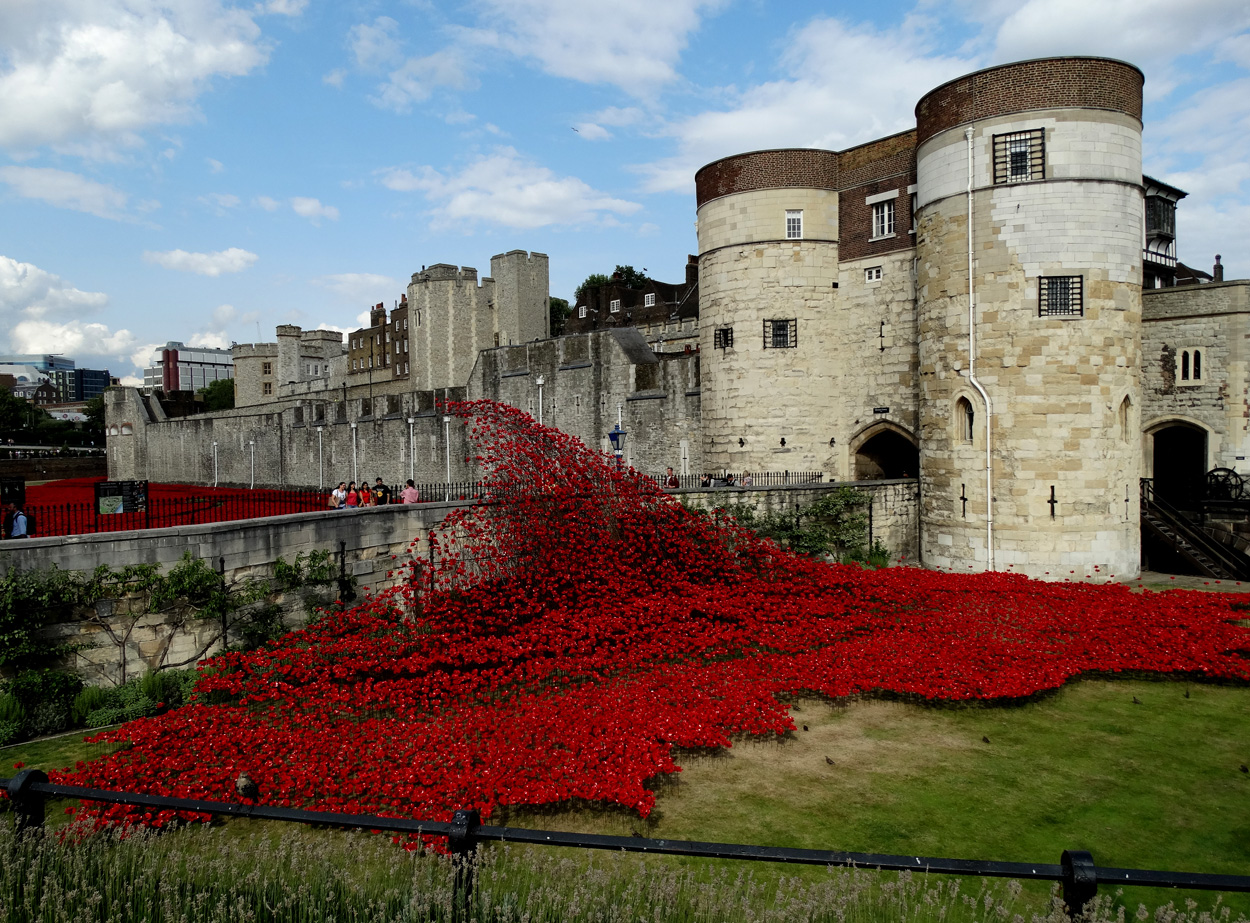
29, 790
163, 512
723, 478
1237, 566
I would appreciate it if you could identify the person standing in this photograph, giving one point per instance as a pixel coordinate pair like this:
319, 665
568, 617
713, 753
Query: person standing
381, 493
409, 494
18, 529
338, 496
670, 480
353, 496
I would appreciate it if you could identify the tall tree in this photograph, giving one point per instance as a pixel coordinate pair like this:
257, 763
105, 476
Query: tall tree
558, 311
218, 395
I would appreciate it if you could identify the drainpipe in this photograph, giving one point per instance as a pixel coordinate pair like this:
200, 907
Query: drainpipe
972, 377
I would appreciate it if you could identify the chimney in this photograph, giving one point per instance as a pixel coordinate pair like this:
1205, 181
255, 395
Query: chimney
1217, 274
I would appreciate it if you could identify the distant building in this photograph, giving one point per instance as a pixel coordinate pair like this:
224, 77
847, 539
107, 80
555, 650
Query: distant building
73, 385
178, 367
653, 304
45, 362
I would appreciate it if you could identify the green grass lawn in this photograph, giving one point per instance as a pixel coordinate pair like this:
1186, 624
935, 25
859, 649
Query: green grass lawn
1151, 783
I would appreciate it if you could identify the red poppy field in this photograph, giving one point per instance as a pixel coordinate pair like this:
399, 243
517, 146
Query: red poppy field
568, 640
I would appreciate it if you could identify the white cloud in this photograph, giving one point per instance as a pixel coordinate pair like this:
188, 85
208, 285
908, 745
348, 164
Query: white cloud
631, 44
285, 7
209, 340
66, 190
592, 132
504, 189
354, 287
416, 79
837, 95
220, 202
376, 45
335, 77
268, 204
74, 338
31, 292
214, 166
81, 74
313, 210
204, 264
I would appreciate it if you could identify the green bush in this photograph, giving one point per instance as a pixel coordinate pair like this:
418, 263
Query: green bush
12, 718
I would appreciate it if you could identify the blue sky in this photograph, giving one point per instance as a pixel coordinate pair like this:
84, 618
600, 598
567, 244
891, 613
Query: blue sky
199, 170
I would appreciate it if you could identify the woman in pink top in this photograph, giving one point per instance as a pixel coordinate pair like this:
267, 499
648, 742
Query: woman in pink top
409, 494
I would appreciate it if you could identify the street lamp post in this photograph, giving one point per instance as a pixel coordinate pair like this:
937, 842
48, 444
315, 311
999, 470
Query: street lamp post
617, 437
447, 447
214, 462
321, 468
252, 446
355, 476
540, 383
412, 459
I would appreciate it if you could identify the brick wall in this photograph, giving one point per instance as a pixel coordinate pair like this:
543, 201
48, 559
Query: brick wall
1086, 83
779, 169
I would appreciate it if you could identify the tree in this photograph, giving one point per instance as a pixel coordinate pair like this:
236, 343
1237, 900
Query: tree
558, 311
629, 277
594, 280
218, 395
94, 412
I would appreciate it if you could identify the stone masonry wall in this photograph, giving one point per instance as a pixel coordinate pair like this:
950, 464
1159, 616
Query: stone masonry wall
116, 644
1213, 319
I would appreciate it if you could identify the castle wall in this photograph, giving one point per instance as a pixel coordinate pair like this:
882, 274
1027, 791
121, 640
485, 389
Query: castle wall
1065, 389
587, 378
1214, 320
250, 375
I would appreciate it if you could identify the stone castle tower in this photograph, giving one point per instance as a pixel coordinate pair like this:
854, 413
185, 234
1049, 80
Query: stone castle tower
1029, 255
849, 316
453, 316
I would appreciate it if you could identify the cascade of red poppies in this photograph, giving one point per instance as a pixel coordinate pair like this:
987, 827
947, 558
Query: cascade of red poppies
581, 623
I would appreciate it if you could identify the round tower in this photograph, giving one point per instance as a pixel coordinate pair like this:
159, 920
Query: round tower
768, 272
1029, 256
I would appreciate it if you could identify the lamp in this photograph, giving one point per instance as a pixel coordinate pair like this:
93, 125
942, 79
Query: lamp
617, 437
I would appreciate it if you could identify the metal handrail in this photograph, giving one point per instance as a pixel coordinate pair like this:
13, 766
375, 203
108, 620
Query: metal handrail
29, 789
1173, 517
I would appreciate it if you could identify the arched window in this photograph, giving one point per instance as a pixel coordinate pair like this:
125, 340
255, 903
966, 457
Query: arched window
1126, 407
1197, 365
1185, 365
965, 419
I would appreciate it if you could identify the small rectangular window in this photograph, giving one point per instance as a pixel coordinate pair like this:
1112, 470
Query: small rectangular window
872, 274
1020, 156
1060, 296
581, 310
266, 368
781, 334
615, 306
268, 388
723, 338
883, 219
794, 224
648, 300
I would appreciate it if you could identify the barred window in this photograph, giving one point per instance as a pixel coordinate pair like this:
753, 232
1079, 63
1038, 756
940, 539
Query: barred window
1060, 296
883, 219
781, 334
794, 224
723, 338
1020, 156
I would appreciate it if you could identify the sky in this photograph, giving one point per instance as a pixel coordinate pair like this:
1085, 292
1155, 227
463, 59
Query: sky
203, 170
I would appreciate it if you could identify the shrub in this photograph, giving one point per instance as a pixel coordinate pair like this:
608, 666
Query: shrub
92, 698
12, 718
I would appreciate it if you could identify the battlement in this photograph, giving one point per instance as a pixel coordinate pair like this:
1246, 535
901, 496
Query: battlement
322, 336
288, 330
445, 272
253, 351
